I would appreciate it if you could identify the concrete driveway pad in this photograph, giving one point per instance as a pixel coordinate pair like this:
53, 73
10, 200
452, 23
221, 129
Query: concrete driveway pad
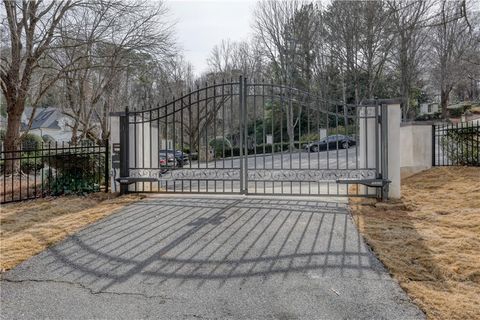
198, 257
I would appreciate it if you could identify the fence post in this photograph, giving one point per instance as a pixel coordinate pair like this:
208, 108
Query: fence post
107, 175
124, 149
433, 145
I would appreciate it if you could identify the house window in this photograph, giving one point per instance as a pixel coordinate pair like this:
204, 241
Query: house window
429, 108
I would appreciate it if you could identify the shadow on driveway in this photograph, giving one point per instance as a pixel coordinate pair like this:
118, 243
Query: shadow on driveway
212, 257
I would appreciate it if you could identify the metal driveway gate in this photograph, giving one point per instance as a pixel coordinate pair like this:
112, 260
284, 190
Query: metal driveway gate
254, 138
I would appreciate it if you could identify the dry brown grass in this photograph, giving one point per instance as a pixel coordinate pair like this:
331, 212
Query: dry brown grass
28, 228
430, 239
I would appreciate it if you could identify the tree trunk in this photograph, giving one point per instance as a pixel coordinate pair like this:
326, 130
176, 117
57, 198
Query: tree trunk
12, 139
444, 103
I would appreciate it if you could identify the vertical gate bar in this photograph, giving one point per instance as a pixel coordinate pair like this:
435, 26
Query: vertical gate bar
336, 144
214, 131
232, 130
182, 106
159, 144
35, 155
240, 126
318, 115
347, 134
170, 168
255, 128
198, 133
308, 105
337, 133
107, 174
206, 130
272, 100
290, 117
444, 144
151, 144
124, 149
459, 147
326, 137
377, 172
245, 131
300, 134
272, 112
282, 107
28, 175
357, 135
263, 131
135, 145
190, 135
478, 144
223, 130
215, 126
174, 140
206, 133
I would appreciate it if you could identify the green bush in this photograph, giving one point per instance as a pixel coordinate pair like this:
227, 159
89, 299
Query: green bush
456, 112
427, 117
48, 140
29, 164
219, 144
31, 142
75, 173
461, 146
2, 135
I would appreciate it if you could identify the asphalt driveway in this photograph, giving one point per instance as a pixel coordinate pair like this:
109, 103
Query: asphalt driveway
209, 258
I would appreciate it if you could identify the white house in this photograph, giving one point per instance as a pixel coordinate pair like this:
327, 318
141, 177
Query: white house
48, 121
428, 108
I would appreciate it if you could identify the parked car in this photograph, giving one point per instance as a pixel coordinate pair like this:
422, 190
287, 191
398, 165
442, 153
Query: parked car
332, 142
180, 157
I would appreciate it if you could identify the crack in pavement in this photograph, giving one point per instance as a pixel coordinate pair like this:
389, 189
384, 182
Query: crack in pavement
84, 287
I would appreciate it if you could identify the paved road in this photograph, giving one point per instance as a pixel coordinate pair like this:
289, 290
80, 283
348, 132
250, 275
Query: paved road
297, 159
209, 258
297, 173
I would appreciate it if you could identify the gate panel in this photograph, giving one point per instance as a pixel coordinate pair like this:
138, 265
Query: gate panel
181, 146
299, 144
255, 138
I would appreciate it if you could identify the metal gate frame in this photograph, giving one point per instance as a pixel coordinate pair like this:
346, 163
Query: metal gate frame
366, 174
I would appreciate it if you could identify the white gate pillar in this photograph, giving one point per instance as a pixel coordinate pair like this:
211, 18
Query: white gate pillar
394, 116
375, 153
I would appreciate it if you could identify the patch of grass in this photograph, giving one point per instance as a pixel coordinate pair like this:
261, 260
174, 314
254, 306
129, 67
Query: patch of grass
430, 239
27, 228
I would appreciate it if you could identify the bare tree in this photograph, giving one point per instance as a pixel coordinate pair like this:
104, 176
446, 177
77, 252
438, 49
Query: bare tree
278, 27
31, 28
410, 38
452, 42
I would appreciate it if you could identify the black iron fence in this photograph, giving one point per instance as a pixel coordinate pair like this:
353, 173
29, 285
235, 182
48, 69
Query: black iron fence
42, 170
456, 144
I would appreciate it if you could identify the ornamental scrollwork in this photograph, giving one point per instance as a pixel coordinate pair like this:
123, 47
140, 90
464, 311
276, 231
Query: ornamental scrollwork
309, 175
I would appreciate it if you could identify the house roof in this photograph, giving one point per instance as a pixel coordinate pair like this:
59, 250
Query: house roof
44, 118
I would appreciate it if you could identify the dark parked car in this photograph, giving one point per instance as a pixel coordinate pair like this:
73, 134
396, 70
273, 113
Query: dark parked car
331, 143
180, 157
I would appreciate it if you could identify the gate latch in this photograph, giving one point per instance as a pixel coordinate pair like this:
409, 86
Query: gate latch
374, 183
130, 180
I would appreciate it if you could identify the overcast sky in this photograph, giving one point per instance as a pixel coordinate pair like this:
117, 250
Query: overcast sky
201, 24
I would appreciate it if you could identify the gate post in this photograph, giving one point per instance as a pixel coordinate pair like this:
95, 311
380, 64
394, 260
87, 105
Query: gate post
124, 149
384, 152
394, 118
